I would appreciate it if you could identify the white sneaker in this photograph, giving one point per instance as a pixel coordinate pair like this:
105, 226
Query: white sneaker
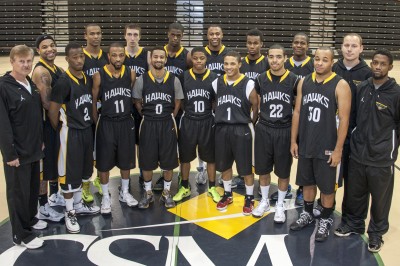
261, 208
82, 208
280, 216
105, 205
124, 196
201, 176
56, 199
71, 223
48, 213
33, 244
39, 225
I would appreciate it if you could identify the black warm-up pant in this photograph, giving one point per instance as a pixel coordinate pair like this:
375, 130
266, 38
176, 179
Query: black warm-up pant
22, 193
363, 181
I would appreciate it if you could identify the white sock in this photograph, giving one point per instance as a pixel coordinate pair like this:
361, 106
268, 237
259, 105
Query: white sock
147, 185
201, 163
77, 196
249, 190
69, 204
105, 190
281, 196
227, 185
167, 184
125, 185
264, 192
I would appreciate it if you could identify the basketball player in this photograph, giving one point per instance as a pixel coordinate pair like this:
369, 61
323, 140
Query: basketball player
136, 56
45, 75
234, 133
374, 148
254, 63
137, 60
272, 140
71, 103
95, 59
216, 51
178, 57
115, 132
197, 124
320, 97
354, 70
302, 65
21, 136
157, 95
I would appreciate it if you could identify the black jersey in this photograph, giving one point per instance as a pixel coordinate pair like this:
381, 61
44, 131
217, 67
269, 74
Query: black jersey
158, 98
93, 64
198, 93
307, 67
137, 63
317, 124
233, 105
76, 99
55, 71
215, 60
115, 93
253, 68
276, 105
177, 64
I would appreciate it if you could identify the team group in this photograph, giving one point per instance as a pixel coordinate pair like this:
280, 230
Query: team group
340, 120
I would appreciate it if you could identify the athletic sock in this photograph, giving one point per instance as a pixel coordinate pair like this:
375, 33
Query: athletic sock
147, 185
42, 199
69, 204
167, 184
227, 185
77, 196
281, 195
105, 189
185, 183
326, 212
249, 190
124, 185
211, 184
308, 206
53, 187
264, 192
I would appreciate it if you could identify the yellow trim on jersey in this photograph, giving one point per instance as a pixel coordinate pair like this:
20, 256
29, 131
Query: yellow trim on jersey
90, 56
258, 60
314, 75
209, 51
176, 54
136, 55
52, 69
121, 74
303, 64
154, 80
74, 78
236, 81
282, 77
204, 77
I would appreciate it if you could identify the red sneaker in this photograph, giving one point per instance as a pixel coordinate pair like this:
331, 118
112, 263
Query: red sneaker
248, 204
225, 201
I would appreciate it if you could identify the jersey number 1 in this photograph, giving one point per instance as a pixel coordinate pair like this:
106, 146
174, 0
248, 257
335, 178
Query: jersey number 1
117, 106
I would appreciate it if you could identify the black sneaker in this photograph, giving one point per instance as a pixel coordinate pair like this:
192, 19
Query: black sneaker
274, 196
146, 199
159, 185
238, 182
167, 199
344, 230
317, 210
304, 220
323, 229
375, 244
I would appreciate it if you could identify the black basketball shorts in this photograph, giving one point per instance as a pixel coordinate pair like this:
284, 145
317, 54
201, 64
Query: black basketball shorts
158, 144
115, 144
272, 150
75, 157
196, 134
234, 143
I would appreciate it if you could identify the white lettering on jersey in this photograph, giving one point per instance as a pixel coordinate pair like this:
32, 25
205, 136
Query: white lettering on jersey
316, 97
116, 92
